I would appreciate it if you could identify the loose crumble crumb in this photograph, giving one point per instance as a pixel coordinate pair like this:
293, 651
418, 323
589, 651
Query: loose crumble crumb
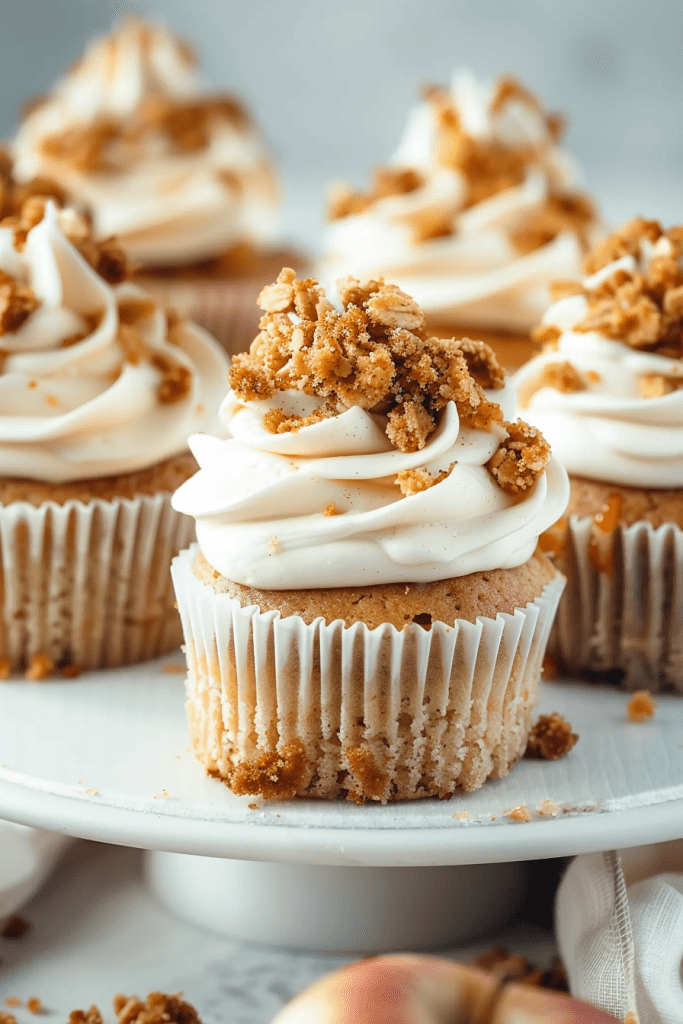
34, 1005
13, 1001
7, 1018
513, 967
641, 706
520, 813
175, 668
551, 738
41, 667
376, 355
158, 1008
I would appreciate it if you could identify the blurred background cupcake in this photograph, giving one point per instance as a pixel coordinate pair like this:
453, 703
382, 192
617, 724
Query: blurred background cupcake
607, 392
99, 388
180, 175
475, 214
367, 613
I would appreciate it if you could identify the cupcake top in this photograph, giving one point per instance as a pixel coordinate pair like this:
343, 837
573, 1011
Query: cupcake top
476, 212
364, 451
606, 390
95, 379
180, 176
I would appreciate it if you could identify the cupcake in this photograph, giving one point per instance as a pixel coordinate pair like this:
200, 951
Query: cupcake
180, 176
98, 390
606, 391
474, 216
366, 611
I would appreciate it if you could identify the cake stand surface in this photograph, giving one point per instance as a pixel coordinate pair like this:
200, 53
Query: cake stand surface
106, 757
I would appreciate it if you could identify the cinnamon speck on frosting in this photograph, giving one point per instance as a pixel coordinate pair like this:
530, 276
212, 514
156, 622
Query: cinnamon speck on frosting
376, 354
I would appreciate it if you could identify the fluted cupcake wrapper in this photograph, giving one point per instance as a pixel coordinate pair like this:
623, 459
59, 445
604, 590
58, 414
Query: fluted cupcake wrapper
627, 618
88, 584
282, 708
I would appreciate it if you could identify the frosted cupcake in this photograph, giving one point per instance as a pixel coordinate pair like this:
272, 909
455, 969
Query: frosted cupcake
474, 216
366, 613
180, 176
98, 390
607, 393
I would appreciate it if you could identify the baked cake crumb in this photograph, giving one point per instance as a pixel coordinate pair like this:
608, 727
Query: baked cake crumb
520, 813
551, 738
641, 706
16, 927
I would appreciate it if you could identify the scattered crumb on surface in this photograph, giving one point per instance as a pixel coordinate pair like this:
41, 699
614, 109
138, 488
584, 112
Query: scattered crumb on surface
551, 738
461, 815
7, 1018
34, 1005
641, 705
92, 791
41, 667
163, 795
253, 807
15, 927
4, 668
520, 813
71, 671
547, 808
515, 967
175, 668
13, 1001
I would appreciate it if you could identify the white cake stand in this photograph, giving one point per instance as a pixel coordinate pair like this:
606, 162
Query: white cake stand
106, 757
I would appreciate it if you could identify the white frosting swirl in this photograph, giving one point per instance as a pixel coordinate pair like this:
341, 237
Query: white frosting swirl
83, 410
259, 501
166, 207
607, 431
473, 276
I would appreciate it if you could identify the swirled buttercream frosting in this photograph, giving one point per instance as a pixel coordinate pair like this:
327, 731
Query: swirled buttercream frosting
95, 379
178, 175
362, 450
475, 214
608, 388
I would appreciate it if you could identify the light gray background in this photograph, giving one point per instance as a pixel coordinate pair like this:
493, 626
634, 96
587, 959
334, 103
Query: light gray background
330, 82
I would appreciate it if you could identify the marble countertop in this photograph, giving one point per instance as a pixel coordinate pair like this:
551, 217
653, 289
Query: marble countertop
97, 931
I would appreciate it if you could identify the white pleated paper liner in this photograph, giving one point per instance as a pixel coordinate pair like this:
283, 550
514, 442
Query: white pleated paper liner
282, 708
88, 584
628, 618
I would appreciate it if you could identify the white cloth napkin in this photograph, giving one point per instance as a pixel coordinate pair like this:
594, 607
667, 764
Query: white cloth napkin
27, 856
619, 922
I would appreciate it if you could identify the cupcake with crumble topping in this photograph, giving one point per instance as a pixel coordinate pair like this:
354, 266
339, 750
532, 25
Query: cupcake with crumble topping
607, 391
366, 612
99, 388
474, 216
180, 176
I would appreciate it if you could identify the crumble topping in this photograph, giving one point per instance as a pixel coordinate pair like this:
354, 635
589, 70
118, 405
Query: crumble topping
487, 167
521, 458
376, 354
641, 308
641, 706
551, 738
158, 1008
561, 376
508, 967
107, 145
17, 302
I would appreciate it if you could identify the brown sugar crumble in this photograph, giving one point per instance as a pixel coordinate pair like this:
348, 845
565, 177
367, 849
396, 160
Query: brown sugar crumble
15, 927
640, 706
41, 667
376, 354
158, 1008
513, 967
487, 167
641, 308
551, 738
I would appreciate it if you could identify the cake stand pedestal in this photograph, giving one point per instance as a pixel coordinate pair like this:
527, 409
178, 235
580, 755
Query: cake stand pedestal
106, 757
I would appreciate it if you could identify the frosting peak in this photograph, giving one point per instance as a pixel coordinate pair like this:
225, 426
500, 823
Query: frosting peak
96, 380
608, 388
179, 175
476, 212
362, 450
